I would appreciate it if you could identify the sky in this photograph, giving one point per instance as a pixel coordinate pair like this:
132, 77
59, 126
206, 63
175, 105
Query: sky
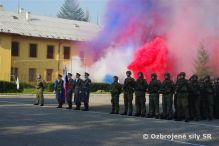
51, 7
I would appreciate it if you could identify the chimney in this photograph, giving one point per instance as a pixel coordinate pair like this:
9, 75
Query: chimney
27, 15
21, 10
1, 7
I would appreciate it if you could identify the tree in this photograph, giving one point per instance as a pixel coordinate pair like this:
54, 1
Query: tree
201, 64
71, 10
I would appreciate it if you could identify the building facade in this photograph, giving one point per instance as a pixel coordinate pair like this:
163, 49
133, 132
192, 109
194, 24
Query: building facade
31, 45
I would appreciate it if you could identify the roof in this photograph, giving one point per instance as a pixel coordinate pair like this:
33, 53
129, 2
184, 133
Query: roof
26, 24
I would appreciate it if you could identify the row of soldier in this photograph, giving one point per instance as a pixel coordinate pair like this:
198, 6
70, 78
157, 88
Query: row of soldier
193, 99
64, 89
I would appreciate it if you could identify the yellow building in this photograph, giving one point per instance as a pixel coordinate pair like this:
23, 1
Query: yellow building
31, 45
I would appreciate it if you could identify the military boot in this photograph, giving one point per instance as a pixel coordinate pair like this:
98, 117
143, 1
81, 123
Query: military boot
124, 113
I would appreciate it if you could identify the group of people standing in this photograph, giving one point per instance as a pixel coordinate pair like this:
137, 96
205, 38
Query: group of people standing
193, 99
64, 90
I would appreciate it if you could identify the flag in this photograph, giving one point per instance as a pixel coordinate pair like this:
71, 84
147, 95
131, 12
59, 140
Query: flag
18, 84
65, 78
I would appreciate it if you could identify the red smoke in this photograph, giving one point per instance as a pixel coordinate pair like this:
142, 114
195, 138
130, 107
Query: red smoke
152, 57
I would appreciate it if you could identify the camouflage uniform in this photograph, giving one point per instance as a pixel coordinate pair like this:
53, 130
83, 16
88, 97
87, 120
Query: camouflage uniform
40, 85
153, 90
116, 89
194, 98
167, 89
182, 90
209, 93
216, 99
140, 90
203, 100
128, 88
175, 99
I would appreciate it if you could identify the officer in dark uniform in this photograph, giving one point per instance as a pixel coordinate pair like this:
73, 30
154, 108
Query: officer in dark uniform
182, 90
194, 98
140, 91
78, 91
128, 88
70, 90
167, 89
209, 93
59, 91
116, 89
153, 89
86, 91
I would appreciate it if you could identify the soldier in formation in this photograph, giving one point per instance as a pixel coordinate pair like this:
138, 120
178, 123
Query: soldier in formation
128, 88
116, 89
167, 90
194, 98
209, 95
182, 90
140, 92
153, 90
216, 98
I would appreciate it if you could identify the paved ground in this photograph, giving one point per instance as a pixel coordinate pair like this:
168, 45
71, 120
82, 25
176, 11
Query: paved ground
22, 124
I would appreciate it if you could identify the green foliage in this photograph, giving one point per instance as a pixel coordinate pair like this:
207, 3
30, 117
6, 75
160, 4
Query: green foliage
100, 86
11, 87
50, 87
26, 85
201, 64
7, 87
71, 10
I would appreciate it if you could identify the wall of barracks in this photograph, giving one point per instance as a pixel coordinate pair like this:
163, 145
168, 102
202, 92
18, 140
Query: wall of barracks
24, 66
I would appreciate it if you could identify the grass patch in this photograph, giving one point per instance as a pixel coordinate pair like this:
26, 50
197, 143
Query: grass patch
27, 91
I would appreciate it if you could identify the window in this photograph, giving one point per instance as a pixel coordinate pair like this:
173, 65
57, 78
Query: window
14, 49
14, 73
33, 50
49, 74
66, 52
50, 52
32, 74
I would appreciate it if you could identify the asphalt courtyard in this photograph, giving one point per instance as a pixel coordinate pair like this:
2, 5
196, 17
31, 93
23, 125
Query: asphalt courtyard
23, 124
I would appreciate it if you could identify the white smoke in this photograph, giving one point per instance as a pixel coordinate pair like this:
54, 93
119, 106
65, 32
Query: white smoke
114, 63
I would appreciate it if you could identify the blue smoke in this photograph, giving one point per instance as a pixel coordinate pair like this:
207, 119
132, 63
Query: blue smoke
108, 78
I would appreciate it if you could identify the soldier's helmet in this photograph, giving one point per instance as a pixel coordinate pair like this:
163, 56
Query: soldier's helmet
116, 78
154, 75
194, 77
167, 75
129, 72
140, 74
207, 77
183, 74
